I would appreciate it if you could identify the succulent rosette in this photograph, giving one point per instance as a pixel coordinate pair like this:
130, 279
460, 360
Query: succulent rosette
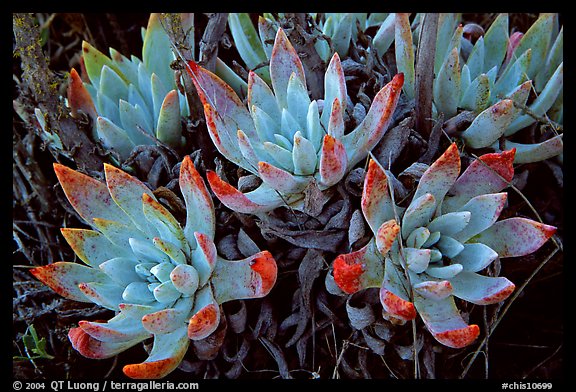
495, 77
283, 136
163, 280
424, 256
131, 101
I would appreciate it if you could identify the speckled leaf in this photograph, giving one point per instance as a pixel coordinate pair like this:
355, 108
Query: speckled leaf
89, 197
481, 290
94, 60
336, 122
366, 135
205, 315
359, 270
204, 257
64, 278
515, 236
386, 236
283, 62
443, 320
107, 295
262, 199
168, 320
490, 124
484, 211
167, 353
433, 289
513, 75
118, 233
185, 279
281, 180
393, 295
441, 175
450, 223
333, 161
116, 330
417, 260
489, 174
404, 50
260, 95
536, 152
127, 191
168, 227
334, 87
252, 277
446, 272
377, 205
476, 97
79, 98
495, 42
418, 214
199, 205
542, 103
92, 247
537, 39
447, 85
95, 349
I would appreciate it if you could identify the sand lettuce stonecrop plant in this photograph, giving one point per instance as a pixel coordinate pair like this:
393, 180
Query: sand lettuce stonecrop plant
424, 256
163, 280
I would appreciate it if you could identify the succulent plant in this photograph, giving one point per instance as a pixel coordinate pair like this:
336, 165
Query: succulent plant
493, 77
131, 101
425, 255
162, 280
282, 137
255, 47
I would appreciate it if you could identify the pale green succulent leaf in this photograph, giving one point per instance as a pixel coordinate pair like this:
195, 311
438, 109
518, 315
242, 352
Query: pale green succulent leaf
444, 321
281, 180
118, 233
376, 203
360, 269
136, 124
112, 85
314, 131
267, 28
127, 191
94, 61
553, 60
138, 293
417, 260
260, 95
496, 42
185, 279
146, 252
445, 272
204, 257
536, 152
476, 58
481, 290
514, 75
167, 352
168, 320
404, 50
64, 278
484, 210
385, 34
515, 236
107, 295
449, 246
334, 88
166, 293
303, 155
281, 155
418, 214
205, 315
289, 126
475, 257
447, 85
477, 95
537, 39
343, 33
490, 124
121, 270
284, 61
157, 51
116, 330
246, 39
447, 36
92, 247
543, 102
452, 223
169, 127
107, 108
418, 237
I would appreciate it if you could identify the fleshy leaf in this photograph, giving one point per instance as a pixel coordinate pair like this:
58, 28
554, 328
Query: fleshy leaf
359, 270
490, 124
484, 211
481, 290
252, 277
95, 349
386, 236
441, 175
64, 278
262, 199
333, 161
199, 205
205, 315
515, 236
107, 295
418, 214
536, 152
405, 52
281, 180
366, 135
450, 223
168, 320
116, 330
475, 257
334, 87
433, 289
283, 62
79, 98
377, 205
89, 197
204, 257
92, 247
393, 295
447, 85
443, 320
185, 279
167, 353
168, 127
489, 174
